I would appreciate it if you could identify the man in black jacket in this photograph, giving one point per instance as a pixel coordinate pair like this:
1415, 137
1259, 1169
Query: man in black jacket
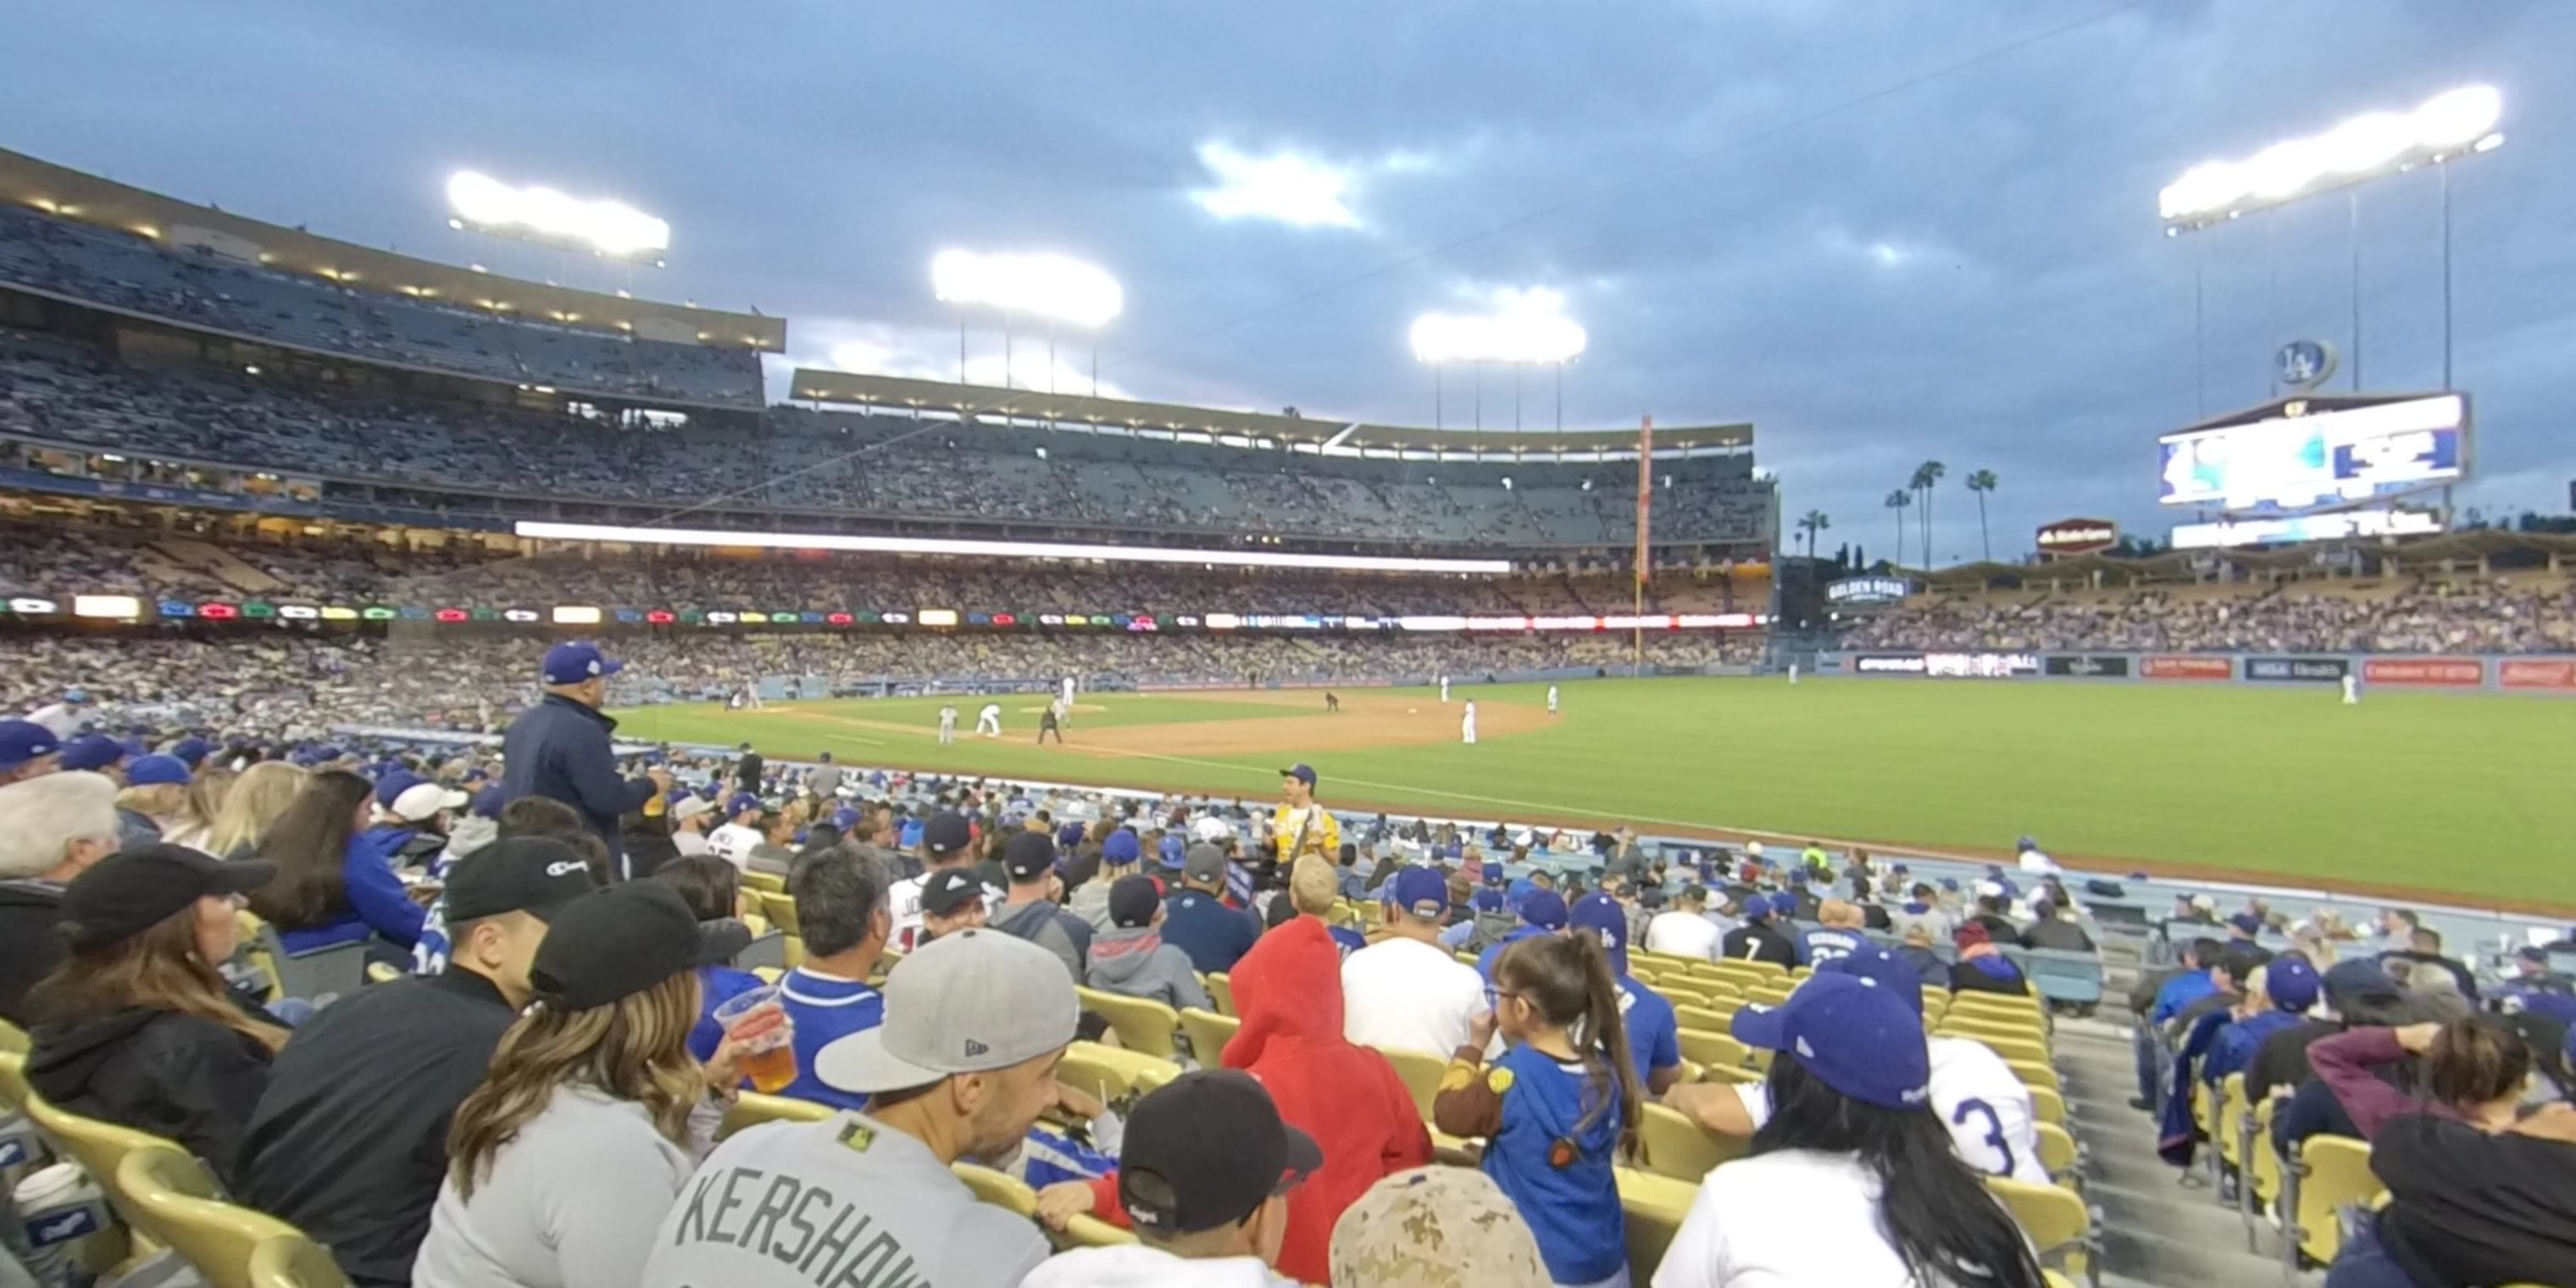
350, 1140
1758, 939
51, 829
559, 748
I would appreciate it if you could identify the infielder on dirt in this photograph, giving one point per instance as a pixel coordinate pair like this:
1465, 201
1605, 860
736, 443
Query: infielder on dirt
1551, 699
1467, 724
988, 721
947, 724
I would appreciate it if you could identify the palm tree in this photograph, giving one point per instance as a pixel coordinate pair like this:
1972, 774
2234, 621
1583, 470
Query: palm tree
1925, 475
1982, 482
1897, 501
1811, 523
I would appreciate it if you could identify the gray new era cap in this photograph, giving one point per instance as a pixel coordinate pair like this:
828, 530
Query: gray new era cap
970, 1002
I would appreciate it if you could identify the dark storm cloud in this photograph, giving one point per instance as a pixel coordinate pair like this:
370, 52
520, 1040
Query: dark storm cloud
1857, 224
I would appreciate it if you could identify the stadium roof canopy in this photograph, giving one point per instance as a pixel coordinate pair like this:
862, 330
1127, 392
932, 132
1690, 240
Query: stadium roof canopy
87, 198
1313, 436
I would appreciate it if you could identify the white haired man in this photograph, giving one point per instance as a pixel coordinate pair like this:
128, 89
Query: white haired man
51, 829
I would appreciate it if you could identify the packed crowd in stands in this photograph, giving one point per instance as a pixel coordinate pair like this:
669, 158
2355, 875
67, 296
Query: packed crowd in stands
435, 456
2467, 615
614, 993
201, 288
60, 560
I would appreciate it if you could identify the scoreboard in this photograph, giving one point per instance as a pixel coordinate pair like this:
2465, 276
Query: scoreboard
2317, 451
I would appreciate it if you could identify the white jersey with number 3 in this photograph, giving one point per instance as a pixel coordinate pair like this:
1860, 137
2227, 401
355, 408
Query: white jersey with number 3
1980, 1099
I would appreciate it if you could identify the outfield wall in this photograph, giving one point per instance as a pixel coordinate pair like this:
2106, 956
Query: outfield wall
2459, 672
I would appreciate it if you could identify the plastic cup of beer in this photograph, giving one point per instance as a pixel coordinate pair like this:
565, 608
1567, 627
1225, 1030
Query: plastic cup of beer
768, 1036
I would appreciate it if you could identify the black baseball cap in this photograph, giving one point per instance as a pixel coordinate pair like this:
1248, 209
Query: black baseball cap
1207, 1150
1302, 773
614, 943
946, 891
945, 834
1132, 901
131, 891
1028, 856
536, 875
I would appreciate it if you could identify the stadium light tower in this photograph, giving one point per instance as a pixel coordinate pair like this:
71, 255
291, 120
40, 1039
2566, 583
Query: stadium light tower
1056, 288
2444, 128
609, 229
1532, 330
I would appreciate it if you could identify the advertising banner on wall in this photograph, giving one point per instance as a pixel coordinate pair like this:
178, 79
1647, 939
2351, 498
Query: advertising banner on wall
2095, 665
2313, 670
2077, 536
2558, 675
2434, 672
1976, 666
2184, 666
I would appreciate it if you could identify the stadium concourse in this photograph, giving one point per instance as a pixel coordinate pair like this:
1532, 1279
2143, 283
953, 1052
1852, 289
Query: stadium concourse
268, 609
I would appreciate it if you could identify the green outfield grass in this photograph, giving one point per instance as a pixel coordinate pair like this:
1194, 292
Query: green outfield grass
2465, 795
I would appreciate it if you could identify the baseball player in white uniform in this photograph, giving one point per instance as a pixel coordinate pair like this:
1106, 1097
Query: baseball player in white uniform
1444, 690
1467, 725
1067, 688
1551, 699
988, 721
2351, 690
947, 724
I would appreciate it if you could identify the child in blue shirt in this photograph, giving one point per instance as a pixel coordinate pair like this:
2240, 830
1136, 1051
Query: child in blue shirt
1556, 1112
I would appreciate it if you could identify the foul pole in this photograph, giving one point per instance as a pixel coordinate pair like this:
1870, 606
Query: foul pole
1645, 525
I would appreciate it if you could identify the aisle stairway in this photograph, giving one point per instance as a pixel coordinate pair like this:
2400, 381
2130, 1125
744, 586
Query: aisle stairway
2157, 1232
220, 563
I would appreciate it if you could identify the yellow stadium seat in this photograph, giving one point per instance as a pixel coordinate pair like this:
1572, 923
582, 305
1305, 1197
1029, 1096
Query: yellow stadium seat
1767, 994
1092, 1232
764, 882
1675, 1146
791, 953
2057, 1151
2048, 1105
1112, 1073
1706, 1019
172, 1199
1715, 1050
13, 1039
2060, 1227
1725, 992
294, 1262
1682, 992
13, 1079
1142, 1023
2231, 1110
1642, 975
1987, 1026
751, 1108
1208, 1033
2011, 1049
2325, 1174
99, 1147
2004, 1005
2262, 1171
1655, 1206
2035, 1074
1001, 1189
1421, 1072
1467, 957
1751, 972
781, 911
1220, 991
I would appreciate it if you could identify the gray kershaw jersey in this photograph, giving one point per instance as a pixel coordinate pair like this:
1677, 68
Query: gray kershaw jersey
845, 1203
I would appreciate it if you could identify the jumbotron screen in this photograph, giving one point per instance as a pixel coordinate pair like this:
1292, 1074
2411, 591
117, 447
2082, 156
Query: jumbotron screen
2339, 453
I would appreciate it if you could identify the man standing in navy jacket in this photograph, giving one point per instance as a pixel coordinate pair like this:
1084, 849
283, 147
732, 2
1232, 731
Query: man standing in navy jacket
559, 748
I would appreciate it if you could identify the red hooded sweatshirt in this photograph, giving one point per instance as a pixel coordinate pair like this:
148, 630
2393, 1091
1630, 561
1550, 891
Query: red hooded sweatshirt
1289, 991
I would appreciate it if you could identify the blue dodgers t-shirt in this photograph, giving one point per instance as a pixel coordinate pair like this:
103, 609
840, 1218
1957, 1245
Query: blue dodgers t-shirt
1214, 935
1824, 944
1574, 1209
826, 1009
1654, 1032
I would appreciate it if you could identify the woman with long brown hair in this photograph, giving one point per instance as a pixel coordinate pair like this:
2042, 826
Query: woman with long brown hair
136, 1026
564, 1161
335, 880
254, 802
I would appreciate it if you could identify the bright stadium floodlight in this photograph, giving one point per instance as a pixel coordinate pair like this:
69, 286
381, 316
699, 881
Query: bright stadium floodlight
2445, 127
539, 213
1531, 332
1054, 287
551, 531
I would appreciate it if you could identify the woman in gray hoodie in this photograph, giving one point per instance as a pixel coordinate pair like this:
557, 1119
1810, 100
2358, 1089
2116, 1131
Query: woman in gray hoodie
1131, 957
565, 1160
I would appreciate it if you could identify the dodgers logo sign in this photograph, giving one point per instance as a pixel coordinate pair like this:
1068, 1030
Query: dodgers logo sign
2303, 364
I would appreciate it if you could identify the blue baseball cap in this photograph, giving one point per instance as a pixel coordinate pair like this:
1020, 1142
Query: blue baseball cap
1302, 773
1544, 909
1488, 899
1600, 916
92, 751
157, 771
25, 740
2247, 922
574, 661
1174, 853
1419, 891
845, 818
1886, 969
1756, 907
192, 751
1854, 1034
741, 801
1121, 848
488, 802
2291, 982
393, 784
1068, 836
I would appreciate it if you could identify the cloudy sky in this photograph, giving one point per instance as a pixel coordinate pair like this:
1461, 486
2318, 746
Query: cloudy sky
1880, 231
